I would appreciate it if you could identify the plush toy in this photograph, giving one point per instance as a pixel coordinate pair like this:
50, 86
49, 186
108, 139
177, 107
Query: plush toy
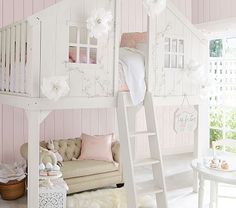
47, 156
48, 161
51, 147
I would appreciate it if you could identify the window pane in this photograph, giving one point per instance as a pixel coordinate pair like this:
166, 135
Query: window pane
174, 45
230, 135
167, 44
216, 48
73, 34
216, 117
173, 61
231, 119
93, 56
72, 54
167, 61
181, 62
83, 55
181, 46
83, 36
215, 134
230, 48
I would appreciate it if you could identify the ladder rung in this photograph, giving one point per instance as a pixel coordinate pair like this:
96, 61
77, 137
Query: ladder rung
148, 187
144, 162
142, 133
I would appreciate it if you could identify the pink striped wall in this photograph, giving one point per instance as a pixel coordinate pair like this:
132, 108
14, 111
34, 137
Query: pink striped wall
70, 123
211, 10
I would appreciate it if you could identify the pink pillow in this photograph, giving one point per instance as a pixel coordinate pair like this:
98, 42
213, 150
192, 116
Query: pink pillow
96, 147
130, 40
72, 54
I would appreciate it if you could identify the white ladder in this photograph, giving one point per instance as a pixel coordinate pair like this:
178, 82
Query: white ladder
157, 185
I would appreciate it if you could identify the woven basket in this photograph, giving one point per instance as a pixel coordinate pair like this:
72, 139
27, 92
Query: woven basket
12, 190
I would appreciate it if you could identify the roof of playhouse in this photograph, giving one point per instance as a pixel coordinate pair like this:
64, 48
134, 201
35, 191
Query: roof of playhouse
75, 5
187, 23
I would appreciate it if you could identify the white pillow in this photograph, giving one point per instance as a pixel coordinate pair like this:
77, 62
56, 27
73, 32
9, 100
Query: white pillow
143, 47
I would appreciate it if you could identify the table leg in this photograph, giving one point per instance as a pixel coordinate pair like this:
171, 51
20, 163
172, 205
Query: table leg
214, 195
195, 181
201, 192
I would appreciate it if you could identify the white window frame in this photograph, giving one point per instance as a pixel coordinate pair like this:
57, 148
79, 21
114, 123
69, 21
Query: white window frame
79, 45
177, 54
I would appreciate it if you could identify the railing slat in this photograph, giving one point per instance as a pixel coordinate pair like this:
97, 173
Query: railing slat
12, 68
23, 57
18, 68
8, 44
3, 58
0, 60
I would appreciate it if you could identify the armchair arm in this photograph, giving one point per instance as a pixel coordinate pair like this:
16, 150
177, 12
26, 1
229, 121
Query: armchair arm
116, 151
45, 155
24, 151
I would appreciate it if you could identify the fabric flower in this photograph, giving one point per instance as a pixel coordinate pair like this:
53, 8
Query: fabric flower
196, 72
55, 87
99, 23
154, 7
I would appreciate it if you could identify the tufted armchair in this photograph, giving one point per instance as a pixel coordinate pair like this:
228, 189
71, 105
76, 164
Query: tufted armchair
82, 175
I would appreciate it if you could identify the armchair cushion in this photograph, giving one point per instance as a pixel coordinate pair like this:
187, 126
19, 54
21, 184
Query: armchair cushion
80, 168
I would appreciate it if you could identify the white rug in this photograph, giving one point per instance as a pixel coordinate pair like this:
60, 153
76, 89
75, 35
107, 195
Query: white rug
105, 198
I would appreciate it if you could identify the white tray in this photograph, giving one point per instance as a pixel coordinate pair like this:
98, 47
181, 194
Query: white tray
230, 161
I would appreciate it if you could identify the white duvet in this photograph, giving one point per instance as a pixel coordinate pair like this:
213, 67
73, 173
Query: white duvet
133, 65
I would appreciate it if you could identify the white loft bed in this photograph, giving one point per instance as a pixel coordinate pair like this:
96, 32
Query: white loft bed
40, 46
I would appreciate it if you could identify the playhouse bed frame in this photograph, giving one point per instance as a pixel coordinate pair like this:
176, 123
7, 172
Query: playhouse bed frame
38, 47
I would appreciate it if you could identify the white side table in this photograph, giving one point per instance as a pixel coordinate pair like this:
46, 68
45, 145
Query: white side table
54, 196
47, 180
214, 177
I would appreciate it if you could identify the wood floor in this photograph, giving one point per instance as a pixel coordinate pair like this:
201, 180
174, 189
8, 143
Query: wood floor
179, 181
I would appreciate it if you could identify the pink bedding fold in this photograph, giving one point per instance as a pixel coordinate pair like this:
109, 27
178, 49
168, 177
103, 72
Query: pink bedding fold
83, 56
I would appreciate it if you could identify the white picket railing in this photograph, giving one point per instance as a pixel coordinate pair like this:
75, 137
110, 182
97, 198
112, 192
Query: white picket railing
223, 71
13, 59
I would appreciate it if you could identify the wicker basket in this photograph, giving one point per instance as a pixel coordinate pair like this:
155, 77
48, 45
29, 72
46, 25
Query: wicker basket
12, 190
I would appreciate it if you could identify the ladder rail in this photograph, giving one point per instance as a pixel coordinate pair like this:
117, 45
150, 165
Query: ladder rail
155, 149
128, 170
126, 124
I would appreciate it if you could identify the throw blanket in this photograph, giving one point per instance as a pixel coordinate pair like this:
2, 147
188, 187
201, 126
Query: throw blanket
11, 172
132, 62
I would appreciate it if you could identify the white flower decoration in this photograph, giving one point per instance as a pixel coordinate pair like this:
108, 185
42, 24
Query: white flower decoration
99, 23
154, 7
196, 72
55, 87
